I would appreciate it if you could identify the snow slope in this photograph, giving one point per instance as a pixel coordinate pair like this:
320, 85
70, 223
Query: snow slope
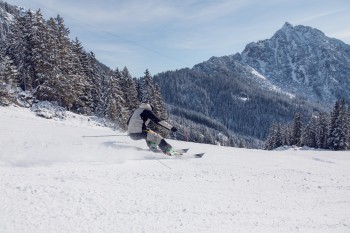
54, 180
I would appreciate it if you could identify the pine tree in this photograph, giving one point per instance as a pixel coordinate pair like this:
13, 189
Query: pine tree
207, 136
279, 136
297, 130
92, 87
146, 88
40, 53
161, 111
128, 87
338, 136
310, 135
322, 131
8, 76
64, 47
271, 141
288, 135
112, 105
348, 127
52, 44
83, 68
18, 49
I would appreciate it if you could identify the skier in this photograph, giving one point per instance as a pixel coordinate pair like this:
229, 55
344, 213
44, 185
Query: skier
137, 129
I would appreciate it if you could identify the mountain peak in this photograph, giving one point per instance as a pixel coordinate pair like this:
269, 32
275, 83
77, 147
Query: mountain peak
287, 25
304, 61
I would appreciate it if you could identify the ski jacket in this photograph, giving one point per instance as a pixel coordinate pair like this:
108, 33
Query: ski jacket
141, 117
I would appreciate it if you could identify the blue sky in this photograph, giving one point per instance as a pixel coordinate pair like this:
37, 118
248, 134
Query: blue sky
162, 35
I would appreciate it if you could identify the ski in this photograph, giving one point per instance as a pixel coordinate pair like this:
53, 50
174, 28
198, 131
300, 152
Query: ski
182, 153
197, 155
179, 151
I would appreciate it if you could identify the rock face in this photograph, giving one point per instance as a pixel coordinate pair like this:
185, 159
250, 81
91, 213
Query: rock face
303, 61
300, 61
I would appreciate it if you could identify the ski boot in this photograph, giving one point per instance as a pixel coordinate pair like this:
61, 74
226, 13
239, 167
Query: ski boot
171, 152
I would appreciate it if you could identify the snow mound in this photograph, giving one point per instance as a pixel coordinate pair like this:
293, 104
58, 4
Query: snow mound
48, 110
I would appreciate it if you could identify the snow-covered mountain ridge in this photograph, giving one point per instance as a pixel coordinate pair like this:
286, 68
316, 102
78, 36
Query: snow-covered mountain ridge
54, 180
233, 65
299, 60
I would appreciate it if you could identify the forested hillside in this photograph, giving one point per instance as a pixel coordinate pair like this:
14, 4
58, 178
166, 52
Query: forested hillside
39, 62
239, 105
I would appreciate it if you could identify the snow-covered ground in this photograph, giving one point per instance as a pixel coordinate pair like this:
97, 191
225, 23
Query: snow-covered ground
54, 180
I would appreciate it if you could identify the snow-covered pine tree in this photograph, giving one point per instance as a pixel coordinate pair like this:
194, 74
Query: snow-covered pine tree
52, 44
76, 62
161, 110
8, 80
338, 135
112, 105
288, 135
128, 88
16, 46
64, 47
297, 130
310, 134
348, 126
146, 88
322, 131
270, 142
208, 137
40, 52
93, 83
279, 136
83, 68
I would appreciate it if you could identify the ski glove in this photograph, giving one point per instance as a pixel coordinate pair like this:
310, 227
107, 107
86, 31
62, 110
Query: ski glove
173, 129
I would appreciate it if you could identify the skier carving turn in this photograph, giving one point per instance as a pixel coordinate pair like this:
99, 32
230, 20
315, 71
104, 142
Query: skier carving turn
137, 129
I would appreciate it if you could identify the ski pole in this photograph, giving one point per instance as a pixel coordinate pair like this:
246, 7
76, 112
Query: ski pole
112, 135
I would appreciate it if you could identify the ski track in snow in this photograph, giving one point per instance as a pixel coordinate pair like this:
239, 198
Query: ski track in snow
54, 180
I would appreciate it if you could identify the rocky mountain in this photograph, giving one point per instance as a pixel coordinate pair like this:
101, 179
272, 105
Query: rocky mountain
303, 61
298, 69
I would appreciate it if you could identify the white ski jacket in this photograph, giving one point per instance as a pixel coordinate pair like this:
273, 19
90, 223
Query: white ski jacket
141, 117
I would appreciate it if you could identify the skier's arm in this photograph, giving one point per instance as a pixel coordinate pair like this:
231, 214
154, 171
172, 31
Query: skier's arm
150, 115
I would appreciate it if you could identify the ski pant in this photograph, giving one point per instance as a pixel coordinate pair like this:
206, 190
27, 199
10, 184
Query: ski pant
151, 136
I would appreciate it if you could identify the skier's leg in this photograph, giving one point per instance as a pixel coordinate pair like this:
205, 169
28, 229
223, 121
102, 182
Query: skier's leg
138, 136
152, 145
153, 137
